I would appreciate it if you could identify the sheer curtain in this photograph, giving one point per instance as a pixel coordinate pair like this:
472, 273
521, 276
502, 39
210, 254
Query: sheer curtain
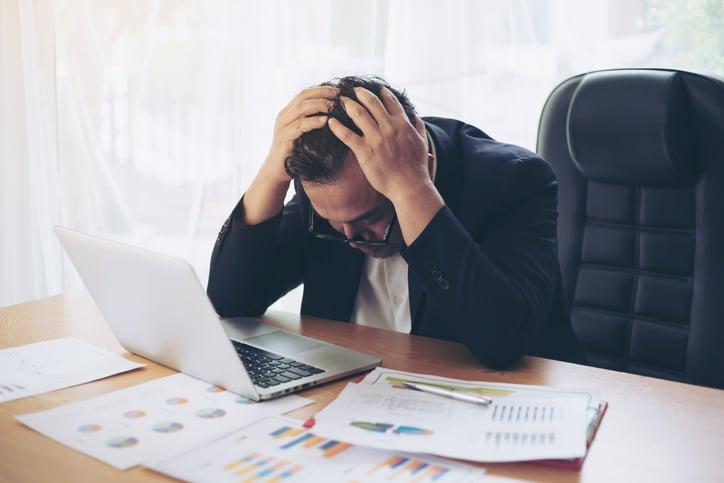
145, 121
30, 186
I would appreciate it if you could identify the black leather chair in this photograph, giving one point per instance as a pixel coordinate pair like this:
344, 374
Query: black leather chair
639, 155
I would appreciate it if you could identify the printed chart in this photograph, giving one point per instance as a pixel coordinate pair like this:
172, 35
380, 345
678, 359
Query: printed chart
152, 420
521, 428
279, 449
54, 364
493, 390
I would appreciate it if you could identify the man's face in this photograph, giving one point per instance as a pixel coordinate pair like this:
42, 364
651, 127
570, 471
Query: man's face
355, 209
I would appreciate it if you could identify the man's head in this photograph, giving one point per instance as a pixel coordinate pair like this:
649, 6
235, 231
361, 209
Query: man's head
333, 179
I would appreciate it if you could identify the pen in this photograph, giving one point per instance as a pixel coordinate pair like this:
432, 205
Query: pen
458, 395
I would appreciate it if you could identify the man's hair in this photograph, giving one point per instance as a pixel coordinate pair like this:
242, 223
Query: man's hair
318, 156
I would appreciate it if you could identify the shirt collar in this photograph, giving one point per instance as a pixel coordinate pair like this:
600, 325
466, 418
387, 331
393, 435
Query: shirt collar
433, 156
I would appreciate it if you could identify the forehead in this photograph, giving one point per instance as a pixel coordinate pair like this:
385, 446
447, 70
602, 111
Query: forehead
345, 198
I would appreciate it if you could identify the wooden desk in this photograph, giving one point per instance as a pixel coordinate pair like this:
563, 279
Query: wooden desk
654, 430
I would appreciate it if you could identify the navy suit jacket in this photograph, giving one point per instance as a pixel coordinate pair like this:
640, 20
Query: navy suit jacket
484, 272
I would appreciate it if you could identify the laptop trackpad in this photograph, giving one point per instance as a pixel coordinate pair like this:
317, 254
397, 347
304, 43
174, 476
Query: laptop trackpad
283, 343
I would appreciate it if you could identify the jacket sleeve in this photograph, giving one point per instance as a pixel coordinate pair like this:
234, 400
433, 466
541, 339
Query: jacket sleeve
495, 287
254, 265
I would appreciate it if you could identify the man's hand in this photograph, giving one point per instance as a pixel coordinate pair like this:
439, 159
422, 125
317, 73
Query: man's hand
393, 156
391, 152
295, 119
265, 197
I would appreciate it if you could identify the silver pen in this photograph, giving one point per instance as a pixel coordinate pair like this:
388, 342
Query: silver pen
458, 395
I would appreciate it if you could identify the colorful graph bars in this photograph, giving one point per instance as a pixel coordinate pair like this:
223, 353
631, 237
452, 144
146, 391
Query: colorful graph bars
395, 467
330, 447
255, 467
414, 470
277, 450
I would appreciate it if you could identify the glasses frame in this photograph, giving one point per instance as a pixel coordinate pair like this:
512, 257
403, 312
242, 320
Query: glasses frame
343, 239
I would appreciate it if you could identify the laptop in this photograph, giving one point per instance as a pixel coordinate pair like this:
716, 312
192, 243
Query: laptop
158, 309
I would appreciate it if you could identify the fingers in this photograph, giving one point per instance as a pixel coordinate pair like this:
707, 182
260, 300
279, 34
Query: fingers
303, 109
360, 116
320, 92
374, 106
392, 104
346, 135
313, 106
305, 124
309, 101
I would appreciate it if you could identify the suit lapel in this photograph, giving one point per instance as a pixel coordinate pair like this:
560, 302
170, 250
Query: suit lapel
417, 300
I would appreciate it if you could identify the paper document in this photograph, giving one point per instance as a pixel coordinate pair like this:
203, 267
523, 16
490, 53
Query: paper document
152, 420
54, 364
281, 450
393, 378
521, 428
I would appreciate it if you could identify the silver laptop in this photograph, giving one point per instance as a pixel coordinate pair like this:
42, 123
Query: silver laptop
157, 308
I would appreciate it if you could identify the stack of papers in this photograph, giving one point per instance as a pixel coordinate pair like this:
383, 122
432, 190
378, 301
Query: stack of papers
523, 423
280, 449
376, 430
46, 366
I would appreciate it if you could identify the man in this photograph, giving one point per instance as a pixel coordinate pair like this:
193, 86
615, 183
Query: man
424, 227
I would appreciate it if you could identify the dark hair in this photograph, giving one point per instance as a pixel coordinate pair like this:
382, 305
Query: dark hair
318, 155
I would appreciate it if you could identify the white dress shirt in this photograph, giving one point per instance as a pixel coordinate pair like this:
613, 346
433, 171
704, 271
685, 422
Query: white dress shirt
383, 296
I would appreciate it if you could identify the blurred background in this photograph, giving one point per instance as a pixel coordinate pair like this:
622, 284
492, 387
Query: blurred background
145, 121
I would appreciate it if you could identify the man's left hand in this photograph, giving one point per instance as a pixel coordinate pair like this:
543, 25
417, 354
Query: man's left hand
393, 156
391, 152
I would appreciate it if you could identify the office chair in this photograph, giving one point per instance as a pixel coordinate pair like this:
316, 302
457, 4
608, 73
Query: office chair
639, 155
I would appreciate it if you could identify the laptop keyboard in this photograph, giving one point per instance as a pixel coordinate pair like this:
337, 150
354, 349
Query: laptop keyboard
267, 369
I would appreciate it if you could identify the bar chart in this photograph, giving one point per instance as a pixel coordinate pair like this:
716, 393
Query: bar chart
278, 449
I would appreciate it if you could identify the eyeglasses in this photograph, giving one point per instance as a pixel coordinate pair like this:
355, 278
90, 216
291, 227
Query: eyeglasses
343, 239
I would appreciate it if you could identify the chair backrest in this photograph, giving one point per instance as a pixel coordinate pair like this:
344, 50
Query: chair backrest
639, 155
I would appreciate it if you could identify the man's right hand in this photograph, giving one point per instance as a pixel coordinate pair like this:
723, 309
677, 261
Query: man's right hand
265, 197
296, 119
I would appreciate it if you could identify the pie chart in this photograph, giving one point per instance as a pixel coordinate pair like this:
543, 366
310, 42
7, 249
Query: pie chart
122, 442
167, 427
210, 413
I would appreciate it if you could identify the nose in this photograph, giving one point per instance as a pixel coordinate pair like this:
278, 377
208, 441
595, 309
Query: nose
348, 230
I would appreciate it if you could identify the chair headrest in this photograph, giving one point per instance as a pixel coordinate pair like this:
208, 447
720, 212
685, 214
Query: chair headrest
631, 127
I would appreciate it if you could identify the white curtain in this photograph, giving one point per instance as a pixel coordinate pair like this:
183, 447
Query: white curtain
145, 121
30, 259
